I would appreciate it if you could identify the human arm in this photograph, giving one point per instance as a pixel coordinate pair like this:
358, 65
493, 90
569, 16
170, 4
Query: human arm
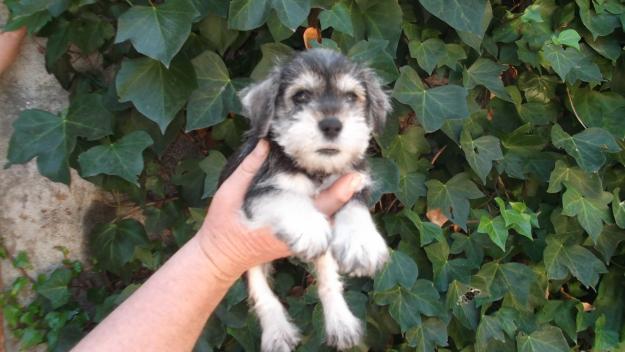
168, 312
9, 47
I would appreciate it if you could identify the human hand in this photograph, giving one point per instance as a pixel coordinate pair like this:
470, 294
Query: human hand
9, 47
233, 247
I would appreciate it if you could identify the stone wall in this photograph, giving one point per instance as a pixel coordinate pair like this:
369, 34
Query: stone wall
36, 214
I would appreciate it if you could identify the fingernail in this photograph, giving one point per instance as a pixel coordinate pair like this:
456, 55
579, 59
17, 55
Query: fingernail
262, 148
356, 181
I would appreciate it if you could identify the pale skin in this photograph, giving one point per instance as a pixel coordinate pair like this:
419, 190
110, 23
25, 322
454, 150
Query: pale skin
10, 43
168, 312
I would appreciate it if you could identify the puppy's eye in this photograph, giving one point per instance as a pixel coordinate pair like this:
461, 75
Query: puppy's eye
301, 97
351, 97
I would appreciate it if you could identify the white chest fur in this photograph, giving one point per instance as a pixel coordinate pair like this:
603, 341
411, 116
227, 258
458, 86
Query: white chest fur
302, 184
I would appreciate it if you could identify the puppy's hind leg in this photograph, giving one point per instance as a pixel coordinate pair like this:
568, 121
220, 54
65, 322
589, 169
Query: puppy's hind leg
343, 329
278, 333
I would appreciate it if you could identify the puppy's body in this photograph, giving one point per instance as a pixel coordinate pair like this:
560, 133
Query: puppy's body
318, 111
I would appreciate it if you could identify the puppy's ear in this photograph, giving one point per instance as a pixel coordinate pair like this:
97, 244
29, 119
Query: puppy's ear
259, 102
378, 102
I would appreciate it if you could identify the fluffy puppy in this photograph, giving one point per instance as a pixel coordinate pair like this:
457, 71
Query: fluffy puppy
318, 110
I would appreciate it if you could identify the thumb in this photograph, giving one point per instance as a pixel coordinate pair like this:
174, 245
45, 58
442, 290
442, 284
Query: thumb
332, 199
236, 185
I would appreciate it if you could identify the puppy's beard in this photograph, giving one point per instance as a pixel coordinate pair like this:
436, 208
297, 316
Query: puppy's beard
305, 144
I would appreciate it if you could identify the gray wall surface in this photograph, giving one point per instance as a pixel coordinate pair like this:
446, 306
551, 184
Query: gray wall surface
36, 214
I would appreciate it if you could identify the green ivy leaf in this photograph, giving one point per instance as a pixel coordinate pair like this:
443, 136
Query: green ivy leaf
55, 287
372, 53
465, 312
32, 14
488, 74
406, 148
291, 12
407, 304
518, 217
212, 166
157, 92
338, 17
560, 59
244, 15
532, 14
546, 339
490, 329
461, 15
90, 33
428, 53
31, 337
496, 230
454, 54
215, 96
52, 139
399, 270
432, 106
538, 88
568, 37
587, 147
591, 211
215, 30
599, 24
561, 259
428, 231
512, 279
452, 198
585, 68
430, 333
386, 174
608, 241
114, 244
480, 153
271, 53
444, 269
606, 339
495, 327
574, 177
157, 31
411, 187
382, 21
600, 109
123, 158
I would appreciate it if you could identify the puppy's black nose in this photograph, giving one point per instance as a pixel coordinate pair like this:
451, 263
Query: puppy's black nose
330, 126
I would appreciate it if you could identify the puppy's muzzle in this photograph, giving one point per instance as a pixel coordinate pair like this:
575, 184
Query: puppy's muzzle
330, 127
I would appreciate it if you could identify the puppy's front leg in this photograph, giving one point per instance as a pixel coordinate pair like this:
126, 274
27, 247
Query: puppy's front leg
295, 220
343, 329
357, 245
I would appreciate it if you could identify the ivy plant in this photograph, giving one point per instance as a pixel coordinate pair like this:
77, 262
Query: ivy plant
499, 174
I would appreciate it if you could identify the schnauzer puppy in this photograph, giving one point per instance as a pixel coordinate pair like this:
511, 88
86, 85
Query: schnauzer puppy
318, 110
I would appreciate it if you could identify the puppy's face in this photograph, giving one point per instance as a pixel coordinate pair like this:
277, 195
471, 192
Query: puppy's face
321, 108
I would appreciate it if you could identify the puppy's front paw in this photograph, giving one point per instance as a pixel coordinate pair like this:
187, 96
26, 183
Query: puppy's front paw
343, 331
357, 245
281, 336
310, 236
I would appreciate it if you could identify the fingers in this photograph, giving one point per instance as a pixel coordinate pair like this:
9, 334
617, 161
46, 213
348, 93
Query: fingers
332, 199
234, 188
9, 46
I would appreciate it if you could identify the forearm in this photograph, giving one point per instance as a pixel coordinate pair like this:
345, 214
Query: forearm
168, 312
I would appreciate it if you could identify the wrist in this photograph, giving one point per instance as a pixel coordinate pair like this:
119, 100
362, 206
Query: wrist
219, 261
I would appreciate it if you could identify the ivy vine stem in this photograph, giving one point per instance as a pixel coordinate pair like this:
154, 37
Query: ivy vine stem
568, 94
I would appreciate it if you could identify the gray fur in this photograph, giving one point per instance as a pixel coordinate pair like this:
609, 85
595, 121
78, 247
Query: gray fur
299, 165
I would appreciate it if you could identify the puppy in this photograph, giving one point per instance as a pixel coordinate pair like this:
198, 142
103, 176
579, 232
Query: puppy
318, 110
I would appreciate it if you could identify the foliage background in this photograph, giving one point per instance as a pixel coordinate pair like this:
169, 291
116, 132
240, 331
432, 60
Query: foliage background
500, 170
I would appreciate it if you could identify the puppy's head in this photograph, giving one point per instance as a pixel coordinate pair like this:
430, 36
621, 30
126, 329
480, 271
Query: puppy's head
320, 107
